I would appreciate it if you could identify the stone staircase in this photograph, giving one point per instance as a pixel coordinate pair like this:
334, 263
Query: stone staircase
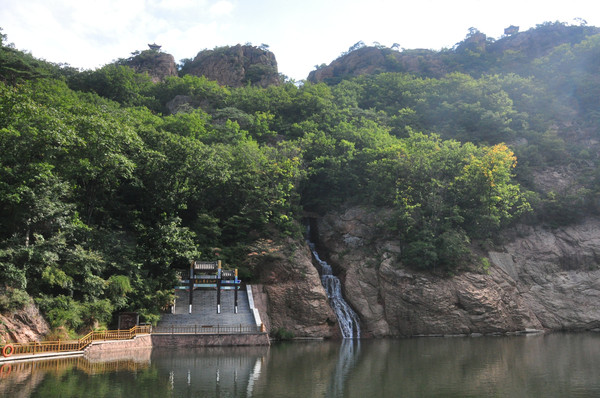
204, 310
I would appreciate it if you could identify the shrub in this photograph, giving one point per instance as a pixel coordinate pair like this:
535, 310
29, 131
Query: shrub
61, 311
13, 299
281, 334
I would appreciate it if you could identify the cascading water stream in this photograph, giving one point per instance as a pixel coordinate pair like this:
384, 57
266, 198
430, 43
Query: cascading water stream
347, 318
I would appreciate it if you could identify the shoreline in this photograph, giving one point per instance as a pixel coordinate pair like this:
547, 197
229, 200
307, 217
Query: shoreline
145, 342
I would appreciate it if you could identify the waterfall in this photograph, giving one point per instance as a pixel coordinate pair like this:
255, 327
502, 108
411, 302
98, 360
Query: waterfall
346, 316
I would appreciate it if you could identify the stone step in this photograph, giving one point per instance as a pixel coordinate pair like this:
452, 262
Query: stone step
205, 301
204, 310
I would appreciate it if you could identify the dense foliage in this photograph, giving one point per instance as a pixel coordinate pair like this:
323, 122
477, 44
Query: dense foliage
104, 194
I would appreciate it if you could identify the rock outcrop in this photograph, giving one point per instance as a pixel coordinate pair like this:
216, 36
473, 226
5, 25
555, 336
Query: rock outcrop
539, 41
533, 43
541, 279
372, 60
295, 298
157, 64
23, 325
235, 66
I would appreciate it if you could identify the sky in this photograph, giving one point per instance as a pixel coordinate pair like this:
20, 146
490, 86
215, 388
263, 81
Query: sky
301, 33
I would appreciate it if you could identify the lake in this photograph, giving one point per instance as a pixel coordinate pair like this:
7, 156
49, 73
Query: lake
551, 365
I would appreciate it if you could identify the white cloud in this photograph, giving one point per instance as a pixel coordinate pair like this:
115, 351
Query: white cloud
221, 8
177, 4
187, 43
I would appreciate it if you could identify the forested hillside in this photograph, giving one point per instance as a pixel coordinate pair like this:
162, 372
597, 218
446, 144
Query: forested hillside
104, 193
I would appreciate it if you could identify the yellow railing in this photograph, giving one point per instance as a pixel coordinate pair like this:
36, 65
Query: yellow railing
43, 347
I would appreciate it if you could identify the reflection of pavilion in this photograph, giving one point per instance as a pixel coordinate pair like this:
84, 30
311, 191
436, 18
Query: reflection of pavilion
230, 371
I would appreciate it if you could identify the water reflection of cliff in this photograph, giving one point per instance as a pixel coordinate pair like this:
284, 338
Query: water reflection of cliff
310, 369
554, 365
539, 366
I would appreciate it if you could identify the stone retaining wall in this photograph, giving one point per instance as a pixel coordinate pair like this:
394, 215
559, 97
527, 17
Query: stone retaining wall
177, 340
209, 340
99, 347
260, 303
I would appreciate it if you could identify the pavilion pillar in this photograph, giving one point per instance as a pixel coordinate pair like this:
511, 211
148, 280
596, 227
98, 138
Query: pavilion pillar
219, 275
235, 294
191, 285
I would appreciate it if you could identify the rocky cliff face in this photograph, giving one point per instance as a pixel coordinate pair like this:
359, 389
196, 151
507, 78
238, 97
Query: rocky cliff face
541, 279
557, 273
235, 66
157, 64
295, 298
23, 325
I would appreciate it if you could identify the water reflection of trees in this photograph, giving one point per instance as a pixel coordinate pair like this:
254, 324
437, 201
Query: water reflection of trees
44, 377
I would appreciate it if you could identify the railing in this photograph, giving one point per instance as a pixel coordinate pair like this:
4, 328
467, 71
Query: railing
206, 265
115, 334
208, 329
43, 347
